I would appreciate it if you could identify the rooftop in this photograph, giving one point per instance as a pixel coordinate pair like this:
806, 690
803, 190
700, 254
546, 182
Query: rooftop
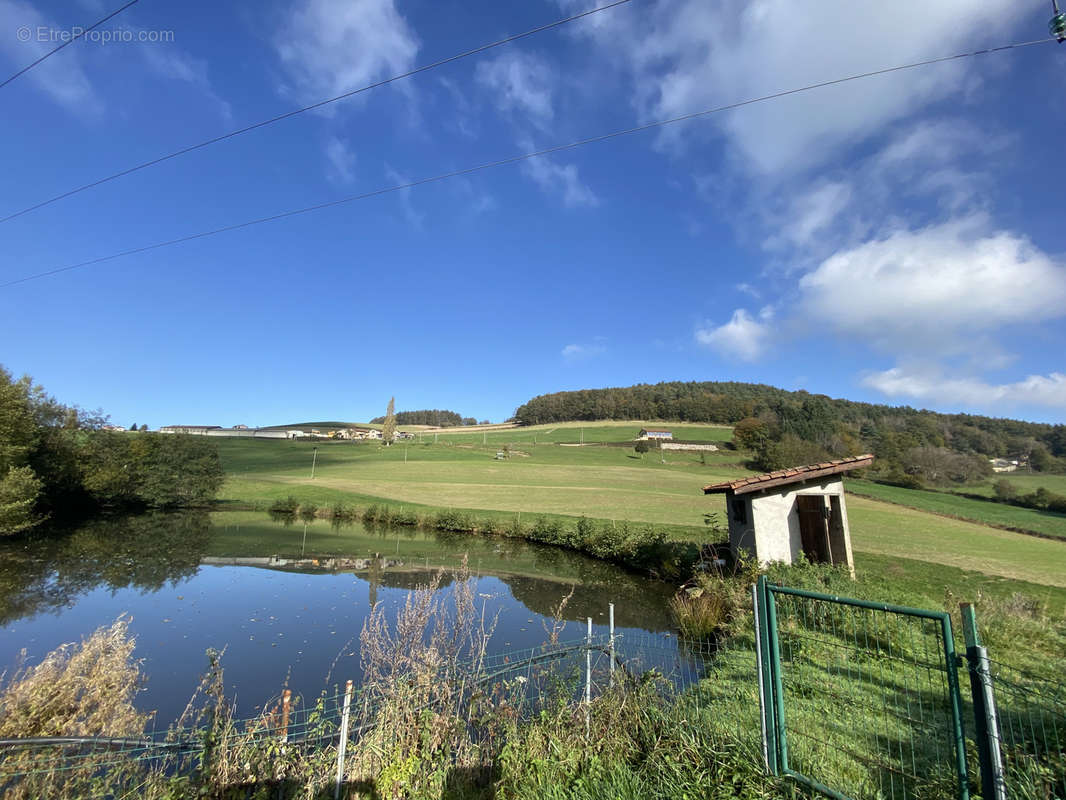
794, 475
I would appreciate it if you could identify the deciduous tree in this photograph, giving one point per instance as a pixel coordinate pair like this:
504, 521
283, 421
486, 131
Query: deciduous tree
388, 427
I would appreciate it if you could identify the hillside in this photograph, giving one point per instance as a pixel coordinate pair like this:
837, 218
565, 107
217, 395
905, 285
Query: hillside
789, 427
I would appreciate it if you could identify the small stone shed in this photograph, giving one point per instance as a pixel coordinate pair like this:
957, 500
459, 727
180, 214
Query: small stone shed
781, 515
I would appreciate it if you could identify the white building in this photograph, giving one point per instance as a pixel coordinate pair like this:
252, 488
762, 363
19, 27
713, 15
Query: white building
655, 433
782, 515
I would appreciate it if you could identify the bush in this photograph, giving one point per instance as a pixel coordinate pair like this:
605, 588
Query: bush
452, 520
1005, 490
289, 506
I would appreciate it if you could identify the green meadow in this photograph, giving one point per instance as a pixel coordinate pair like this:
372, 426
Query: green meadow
605, 481
1046, 523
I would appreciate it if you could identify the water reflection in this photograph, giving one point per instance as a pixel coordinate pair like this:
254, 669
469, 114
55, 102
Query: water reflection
49, 571
287, 602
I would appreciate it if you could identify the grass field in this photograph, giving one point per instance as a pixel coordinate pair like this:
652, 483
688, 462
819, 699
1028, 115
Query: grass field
603, 483
1024, 482
576, 432
981, 511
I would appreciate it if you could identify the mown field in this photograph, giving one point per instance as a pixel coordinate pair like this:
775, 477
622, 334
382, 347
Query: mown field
601, 482
1023, 482
1045, 523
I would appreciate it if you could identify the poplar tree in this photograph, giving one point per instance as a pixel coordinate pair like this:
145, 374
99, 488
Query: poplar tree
388, 428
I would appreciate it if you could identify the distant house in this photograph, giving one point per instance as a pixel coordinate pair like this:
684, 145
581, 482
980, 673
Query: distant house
783, 515
655, 433
373, 433
113, 428
240, 427
1004, 464
199, 430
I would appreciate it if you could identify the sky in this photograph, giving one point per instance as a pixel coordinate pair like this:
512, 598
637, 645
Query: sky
896, 239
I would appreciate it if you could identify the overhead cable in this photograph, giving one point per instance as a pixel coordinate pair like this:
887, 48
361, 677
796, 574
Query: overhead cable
516, 159
25, 33
297, 111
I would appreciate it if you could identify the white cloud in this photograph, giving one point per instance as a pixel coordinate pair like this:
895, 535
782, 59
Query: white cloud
932, 386
580, 352
742, 337
686, 55
812, 212
61, 77
175, 64
521, 82
562, 178
332, 46
934, 289
341, 160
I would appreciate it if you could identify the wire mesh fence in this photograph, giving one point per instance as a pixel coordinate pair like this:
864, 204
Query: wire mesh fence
862, 701
863, 698
1031, 712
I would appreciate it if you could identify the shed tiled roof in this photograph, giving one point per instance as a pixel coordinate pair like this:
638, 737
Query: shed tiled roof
656, 430
793, 475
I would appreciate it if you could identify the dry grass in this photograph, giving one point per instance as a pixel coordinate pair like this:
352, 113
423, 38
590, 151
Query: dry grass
84, 689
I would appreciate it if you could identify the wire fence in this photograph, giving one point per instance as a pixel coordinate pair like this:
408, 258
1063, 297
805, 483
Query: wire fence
1031, 713
862, 701
867, 703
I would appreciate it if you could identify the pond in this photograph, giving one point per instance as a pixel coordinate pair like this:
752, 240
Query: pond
286, 602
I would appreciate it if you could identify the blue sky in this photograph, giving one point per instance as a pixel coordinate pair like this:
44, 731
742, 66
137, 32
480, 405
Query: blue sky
896, 239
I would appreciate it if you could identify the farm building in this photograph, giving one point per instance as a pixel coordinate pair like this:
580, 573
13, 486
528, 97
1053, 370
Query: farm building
655, 433
200, 430
782, 515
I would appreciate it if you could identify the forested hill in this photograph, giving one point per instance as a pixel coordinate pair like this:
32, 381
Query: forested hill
429, 416
834, 426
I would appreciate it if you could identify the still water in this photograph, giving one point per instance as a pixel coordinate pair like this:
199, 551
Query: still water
285, 601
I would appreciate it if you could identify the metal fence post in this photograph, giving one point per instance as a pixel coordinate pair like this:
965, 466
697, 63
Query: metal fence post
759, 670
952, 666
610, 617
588, 677
993, 783
344, 740
776, 682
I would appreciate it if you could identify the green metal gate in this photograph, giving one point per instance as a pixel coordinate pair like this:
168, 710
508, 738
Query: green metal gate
859, 699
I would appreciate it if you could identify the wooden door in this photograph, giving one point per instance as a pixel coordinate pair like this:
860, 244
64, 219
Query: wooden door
814, 533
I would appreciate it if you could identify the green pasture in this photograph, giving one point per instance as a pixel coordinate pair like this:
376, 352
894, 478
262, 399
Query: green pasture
981, 511
609, 483
577, 432
1024, 482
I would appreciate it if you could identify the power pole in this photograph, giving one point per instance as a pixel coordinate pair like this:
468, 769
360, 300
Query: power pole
314, 460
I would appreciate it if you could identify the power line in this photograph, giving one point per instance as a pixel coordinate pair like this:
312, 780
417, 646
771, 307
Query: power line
71, 40
319, 104
517, 158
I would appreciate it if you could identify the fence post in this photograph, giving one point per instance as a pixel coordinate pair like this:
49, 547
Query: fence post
588, 676
765, 632
776, 683
993, 784
756, 607
951, 664
344, 740
286, 698
610, 617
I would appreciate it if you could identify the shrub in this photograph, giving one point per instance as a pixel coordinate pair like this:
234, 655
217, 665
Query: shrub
452, 520
289, 506
703, 611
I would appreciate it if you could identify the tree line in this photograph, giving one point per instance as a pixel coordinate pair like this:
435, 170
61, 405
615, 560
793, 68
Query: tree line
57, 461
436, 417
785, 428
